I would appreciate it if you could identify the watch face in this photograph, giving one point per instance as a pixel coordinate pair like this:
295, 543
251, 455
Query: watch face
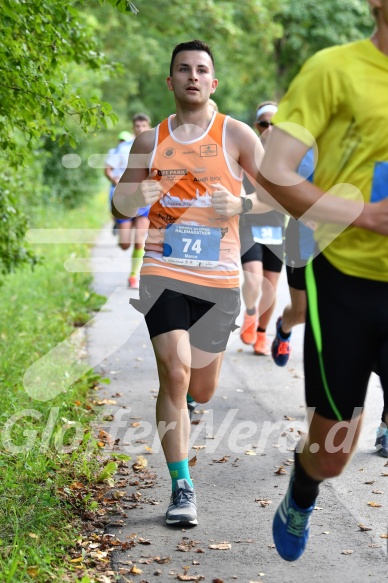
248, 204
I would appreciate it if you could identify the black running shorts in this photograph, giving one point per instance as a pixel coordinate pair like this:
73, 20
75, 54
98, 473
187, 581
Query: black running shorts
346, 338
208, 314
271, 256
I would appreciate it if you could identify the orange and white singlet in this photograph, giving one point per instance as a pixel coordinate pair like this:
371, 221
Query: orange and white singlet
187, 240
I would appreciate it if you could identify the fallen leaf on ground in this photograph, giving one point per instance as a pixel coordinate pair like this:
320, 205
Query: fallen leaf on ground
363, 527
140, 464
374, 504
383, 535
250, 452
289, 418
225, 546
377, 492
281, 471
163, 560
347, 552
370, 482
199, 446
186, 545
143, 541
193, 462
263, 501
135, 570
106, 402
33, 571
222, 460
190, 577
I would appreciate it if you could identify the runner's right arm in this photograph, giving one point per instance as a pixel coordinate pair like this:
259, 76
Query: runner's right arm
136, 187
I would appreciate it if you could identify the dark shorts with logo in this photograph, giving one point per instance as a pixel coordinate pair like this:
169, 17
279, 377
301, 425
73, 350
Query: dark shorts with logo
271, 256
208, 314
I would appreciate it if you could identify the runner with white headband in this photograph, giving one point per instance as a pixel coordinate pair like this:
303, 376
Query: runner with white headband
262, 250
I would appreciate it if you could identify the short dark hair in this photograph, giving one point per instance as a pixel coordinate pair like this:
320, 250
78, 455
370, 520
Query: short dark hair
141, 117
192, 45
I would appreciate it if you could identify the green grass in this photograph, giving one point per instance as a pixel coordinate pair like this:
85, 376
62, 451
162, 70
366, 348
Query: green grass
38, 309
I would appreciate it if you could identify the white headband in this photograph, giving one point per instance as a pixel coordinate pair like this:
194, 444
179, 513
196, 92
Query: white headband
266, 109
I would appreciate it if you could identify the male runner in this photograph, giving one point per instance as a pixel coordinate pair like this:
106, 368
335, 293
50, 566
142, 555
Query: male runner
115, 165
189, 168
340, 97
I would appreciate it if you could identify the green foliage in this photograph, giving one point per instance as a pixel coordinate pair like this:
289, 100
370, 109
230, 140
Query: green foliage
39, 41
37, 311
13, 225
49, 61
259, 45
241, 36
69, 186
124, 6
309, 26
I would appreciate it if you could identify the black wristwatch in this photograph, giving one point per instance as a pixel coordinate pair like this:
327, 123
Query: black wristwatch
247, 205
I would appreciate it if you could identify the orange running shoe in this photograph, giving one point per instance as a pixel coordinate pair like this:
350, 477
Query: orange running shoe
261, 345
133, 282
248, 329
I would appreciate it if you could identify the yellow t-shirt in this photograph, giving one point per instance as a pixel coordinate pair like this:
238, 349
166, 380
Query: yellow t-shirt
341, 97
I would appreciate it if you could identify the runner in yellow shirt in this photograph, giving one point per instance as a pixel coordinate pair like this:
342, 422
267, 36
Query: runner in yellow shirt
340, 101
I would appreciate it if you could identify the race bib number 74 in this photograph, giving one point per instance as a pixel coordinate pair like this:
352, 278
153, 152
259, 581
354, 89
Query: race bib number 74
192, 245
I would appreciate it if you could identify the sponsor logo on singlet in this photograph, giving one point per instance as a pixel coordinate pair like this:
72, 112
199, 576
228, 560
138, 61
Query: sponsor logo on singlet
208, 150
169, 152
173, 172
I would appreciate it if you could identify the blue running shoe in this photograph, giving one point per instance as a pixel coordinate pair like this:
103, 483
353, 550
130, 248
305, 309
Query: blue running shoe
291, 527
382, 441
281, 348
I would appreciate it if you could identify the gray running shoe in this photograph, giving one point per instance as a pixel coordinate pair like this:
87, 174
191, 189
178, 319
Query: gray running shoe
191, 407
183, 505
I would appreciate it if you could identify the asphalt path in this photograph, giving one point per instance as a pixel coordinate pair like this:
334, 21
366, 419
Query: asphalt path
241, 452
